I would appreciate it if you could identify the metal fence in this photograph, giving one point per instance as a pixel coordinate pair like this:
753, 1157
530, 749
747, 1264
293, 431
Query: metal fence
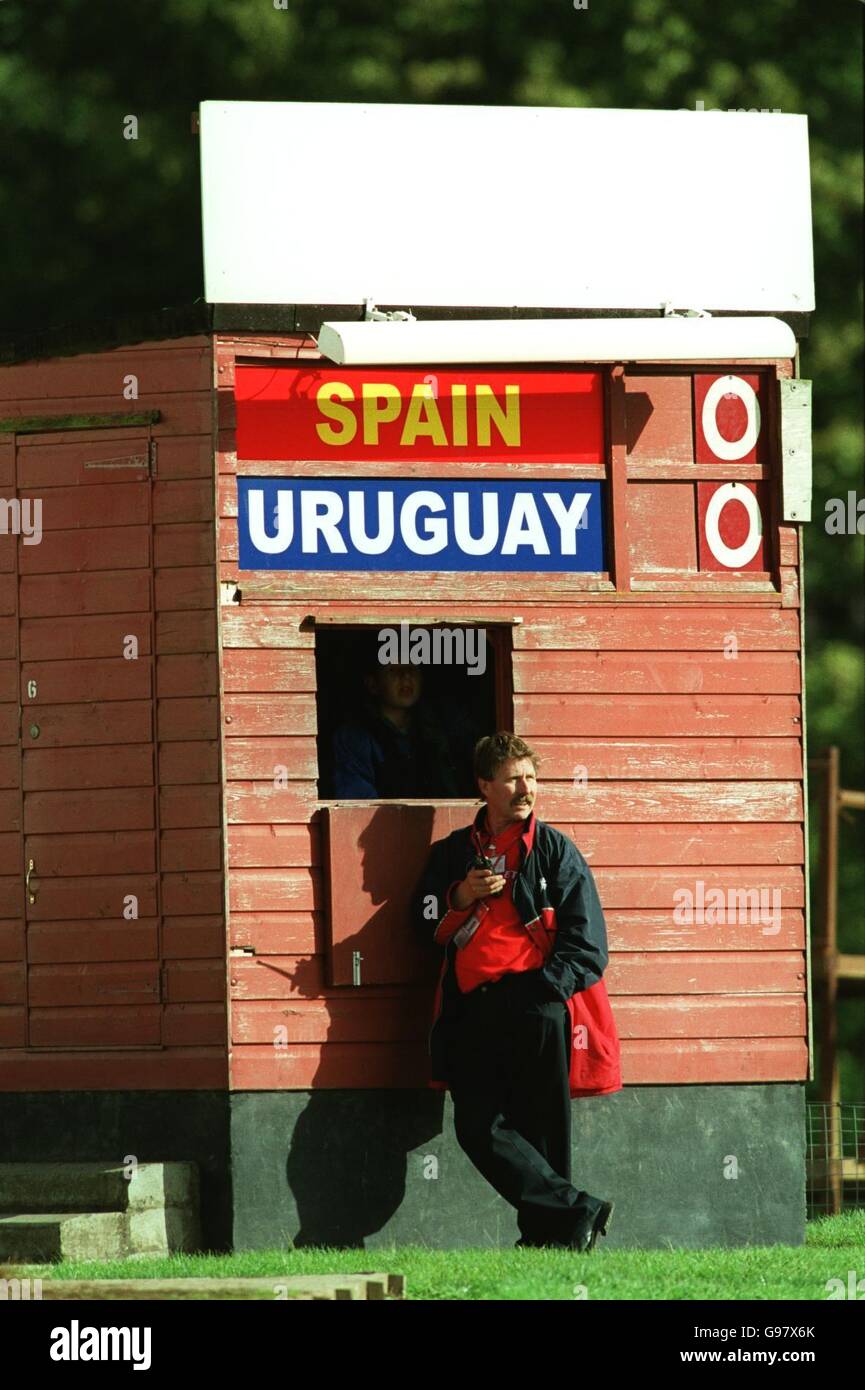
835, 1157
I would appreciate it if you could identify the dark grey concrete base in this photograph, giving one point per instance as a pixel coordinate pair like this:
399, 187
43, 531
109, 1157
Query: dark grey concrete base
687, 1166
105, 1126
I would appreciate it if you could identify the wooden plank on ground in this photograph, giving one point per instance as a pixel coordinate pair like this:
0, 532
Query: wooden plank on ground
277, 1287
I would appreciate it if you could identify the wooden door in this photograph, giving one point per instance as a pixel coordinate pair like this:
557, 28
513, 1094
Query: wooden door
87, 739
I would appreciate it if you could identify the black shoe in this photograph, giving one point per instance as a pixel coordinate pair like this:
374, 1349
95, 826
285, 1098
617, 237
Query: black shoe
588, 1231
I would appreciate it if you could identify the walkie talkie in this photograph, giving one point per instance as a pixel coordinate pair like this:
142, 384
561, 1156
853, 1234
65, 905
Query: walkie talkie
481, 861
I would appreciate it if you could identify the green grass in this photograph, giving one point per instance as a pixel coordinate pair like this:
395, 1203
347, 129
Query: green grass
834, 1245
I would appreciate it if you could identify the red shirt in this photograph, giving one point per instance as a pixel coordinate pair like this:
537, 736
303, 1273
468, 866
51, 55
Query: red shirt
501, 943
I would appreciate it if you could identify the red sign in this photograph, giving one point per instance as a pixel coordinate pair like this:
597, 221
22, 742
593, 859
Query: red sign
731, 526
729, 418
331, 413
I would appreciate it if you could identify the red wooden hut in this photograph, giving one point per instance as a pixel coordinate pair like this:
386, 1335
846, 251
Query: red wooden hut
203, 951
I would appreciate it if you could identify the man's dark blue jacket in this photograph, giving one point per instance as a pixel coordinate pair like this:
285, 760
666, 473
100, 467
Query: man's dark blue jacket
554, 893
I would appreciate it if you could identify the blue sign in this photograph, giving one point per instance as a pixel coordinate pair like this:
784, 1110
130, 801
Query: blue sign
420, 524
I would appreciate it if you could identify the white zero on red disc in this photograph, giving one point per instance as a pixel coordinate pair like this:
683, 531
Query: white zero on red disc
730, 448
723, 553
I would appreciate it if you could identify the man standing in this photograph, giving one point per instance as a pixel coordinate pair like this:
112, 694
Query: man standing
521, 935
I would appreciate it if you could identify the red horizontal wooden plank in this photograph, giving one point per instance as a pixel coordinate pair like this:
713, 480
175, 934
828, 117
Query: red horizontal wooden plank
407, 1018
8, 593
69, 726
193, 673
10, 853
665, 470
256, 670
61, 595
654, 625
12, 939
688, 758
82, 637
108, 852
316, 1066
10, 809
190, 586
13, 1027
189, 543
188, 719
100, 896
113, 765
701, 844
103, 679
8, 680
118, 984
116, 504
191, 850
8, 632
709, 971
194, 763
186, 1025
661, 672
759, 892
114, 1026
371, 1019
275, 890
246, 715
636, 802
279, 933
262, 803
444, 586
121, 808
291, 758
60, 943
192, 892
10, 767
193, 938
48, 464
182, 500
641, 929
273, 846
191, 631
367, 468
12, 895
13, 988
710, 1061
9, 724
274, 977
170, 1069
263, 626
195, 981
663, 715
652, 1062
184, 457
195, 806
166, 369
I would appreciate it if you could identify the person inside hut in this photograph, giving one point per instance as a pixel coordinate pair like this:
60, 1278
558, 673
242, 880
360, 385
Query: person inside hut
398, 744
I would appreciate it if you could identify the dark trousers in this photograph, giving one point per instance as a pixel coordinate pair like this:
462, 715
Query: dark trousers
512, 1107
